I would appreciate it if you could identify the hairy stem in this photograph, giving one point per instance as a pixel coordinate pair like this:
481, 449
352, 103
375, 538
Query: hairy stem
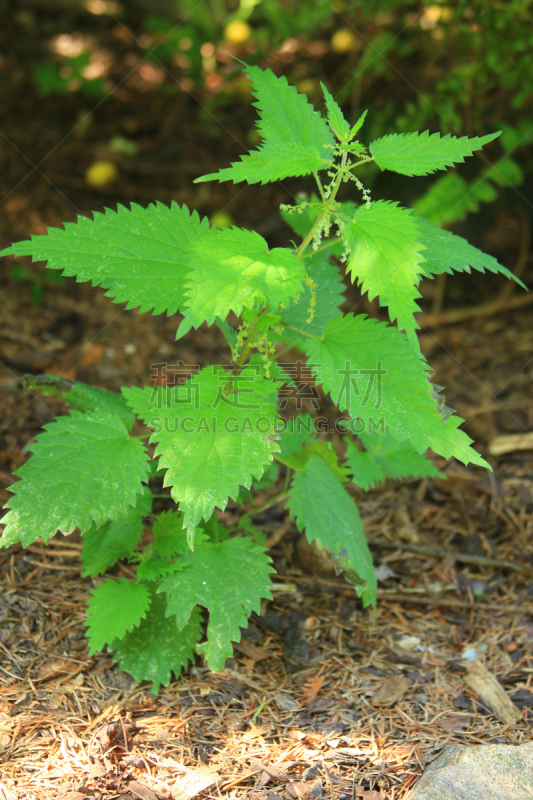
312, 232
329, 243
249, 343
298, 330
319, 184
327, 207
338, 179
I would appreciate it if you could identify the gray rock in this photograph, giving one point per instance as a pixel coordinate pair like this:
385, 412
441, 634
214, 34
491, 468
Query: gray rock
285, 702
483, 772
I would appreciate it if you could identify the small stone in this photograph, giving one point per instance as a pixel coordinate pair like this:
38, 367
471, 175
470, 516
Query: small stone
285, 702
392, 690
483, 772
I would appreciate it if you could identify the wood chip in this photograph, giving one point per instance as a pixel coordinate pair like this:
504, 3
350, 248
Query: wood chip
404, 526
481, 681
392, 690
196, 781
140, 790
57, 667
251, 650
302, 790
455, 722
367, 794
510, 443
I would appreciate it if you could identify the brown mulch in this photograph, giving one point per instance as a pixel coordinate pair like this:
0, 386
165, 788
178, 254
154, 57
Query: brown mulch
316, 702
306, 707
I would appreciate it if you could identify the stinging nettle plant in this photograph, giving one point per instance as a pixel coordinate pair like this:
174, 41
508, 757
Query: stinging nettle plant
219, 431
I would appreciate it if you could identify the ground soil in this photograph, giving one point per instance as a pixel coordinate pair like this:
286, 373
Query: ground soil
296, 712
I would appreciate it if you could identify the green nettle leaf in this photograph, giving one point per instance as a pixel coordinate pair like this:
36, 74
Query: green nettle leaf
320, 505
170, 539
422, 153
214, 530
359, 124
297, 140
450, 199
259, 537
230, 334
366, 469
386, 259
232, 269
371, 371
209, 443
271, 162
115, 607
336, 120
270, 478
157, 648
84, 470
308, 316
81, 396
104, 545
386, 458
324, 450
229, 578
140, 256
152, 567
296, 432
446, 252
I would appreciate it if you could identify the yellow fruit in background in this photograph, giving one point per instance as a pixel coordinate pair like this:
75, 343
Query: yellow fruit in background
222, 220
101, 174
307, 86
237, 32
345, 41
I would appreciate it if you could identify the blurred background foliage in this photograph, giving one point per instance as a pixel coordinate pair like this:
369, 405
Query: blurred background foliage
458, 66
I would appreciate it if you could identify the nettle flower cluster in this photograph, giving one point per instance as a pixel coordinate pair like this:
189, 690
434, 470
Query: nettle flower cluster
219, 434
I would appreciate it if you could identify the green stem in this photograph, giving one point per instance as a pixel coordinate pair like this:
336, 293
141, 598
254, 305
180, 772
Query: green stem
363, 161
298, 330
327, 244
249, 343
326, 209
287, 479
338, 180
314, 229
344, 216
319, 184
